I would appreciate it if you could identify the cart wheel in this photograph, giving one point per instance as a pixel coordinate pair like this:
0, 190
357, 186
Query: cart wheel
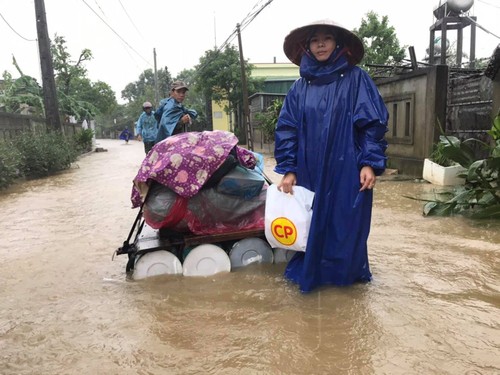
160, 262
206, 260
283, 255
250, 250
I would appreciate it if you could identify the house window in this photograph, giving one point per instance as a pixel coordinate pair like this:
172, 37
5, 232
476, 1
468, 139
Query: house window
218, 114
394, 119
401, 118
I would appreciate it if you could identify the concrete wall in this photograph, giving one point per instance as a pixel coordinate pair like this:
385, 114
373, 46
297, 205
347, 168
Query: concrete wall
417, 105
12, 125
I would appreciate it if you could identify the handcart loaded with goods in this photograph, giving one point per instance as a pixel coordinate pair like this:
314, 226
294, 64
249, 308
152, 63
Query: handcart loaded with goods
201, 201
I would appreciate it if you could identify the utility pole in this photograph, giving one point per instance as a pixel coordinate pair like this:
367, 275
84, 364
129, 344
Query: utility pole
157, 95
244, 89
48, 82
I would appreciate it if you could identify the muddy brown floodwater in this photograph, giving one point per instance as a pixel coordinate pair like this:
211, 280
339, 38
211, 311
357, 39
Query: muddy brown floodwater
67, 308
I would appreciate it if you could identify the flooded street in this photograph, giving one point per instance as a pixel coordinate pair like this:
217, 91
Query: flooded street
67, 308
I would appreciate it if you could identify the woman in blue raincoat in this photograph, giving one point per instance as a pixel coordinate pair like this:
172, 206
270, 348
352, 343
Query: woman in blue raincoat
330, 139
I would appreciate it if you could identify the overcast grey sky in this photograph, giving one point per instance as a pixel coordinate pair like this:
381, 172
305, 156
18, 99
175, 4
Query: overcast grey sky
122, 33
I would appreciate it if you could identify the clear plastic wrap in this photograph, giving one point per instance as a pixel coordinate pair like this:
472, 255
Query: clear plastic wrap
208, 212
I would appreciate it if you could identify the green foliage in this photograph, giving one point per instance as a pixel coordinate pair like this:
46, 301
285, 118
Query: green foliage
479, 198
219, 75
77, 95
44, 154
9, 164
21, 92
144, 88
83, 140
72, 105
380, 41
269, 119
494, 132
219, 78
195, 99
437, 155
450, 151
66, 70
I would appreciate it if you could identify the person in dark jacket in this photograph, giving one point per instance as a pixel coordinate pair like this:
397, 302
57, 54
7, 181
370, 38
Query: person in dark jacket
126, 135
147, 127
330, 140
173, 117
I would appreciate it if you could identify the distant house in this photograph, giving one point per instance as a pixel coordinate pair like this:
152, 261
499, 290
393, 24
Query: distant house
220, 119
278, 76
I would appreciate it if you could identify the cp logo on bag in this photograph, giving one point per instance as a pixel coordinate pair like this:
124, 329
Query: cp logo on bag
284, 231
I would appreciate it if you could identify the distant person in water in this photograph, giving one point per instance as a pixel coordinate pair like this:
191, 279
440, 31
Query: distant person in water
126, 135
147, 127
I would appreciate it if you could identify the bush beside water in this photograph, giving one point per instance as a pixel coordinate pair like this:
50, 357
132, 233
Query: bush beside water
34, 155
9, 164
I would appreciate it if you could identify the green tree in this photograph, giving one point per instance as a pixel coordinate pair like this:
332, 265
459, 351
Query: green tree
144, 88
65, 69
380, 41
218, 78
76, 93
268, 119
20, 93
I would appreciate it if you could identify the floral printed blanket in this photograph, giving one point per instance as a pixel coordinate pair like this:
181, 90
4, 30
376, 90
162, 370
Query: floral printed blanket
184, 162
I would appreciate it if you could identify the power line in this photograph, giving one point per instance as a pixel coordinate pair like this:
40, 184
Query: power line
96, 3
481, 27
118, 35
491, 5
130, 19
244, 23
22, 37
249, 19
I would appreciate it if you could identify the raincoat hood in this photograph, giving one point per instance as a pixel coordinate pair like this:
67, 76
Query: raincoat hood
295, 44
323, 72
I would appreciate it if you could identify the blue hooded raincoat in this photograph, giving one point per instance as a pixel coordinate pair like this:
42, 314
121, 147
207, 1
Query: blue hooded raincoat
170, 112
332, 124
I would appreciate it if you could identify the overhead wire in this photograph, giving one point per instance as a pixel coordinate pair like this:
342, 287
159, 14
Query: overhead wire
96, 3
487, 3
19, 35
243, 24
118, 35
250, 13
481, 27
126, 49
130, 19
249, 19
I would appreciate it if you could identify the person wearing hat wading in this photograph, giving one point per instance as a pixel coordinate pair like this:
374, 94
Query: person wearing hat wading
147, 127
173, 116
330, 139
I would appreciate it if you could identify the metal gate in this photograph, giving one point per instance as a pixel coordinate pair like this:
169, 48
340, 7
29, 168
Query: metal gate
469, 107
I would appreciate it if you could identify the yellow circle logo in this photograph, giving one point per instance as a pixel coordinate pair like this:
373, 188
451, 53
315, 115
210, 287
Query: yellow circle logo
284, 231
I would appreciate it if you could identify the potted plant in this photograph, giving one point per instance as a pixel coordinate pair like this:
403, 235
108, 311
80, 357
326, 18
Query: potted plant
439, 169
479, 197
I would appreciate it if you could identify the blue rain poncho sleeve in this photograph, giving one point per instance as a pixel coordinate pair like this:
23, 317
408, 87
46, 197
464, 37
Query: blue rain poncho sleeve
370, 121
286, 137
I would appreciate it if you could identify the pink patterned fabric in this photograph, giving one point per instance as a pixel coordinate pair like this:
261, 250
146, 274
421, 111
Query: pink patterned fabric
184, 162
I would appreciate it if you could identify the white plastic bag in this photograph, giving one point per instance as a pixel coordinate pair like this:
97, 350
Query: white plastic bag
288, 217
